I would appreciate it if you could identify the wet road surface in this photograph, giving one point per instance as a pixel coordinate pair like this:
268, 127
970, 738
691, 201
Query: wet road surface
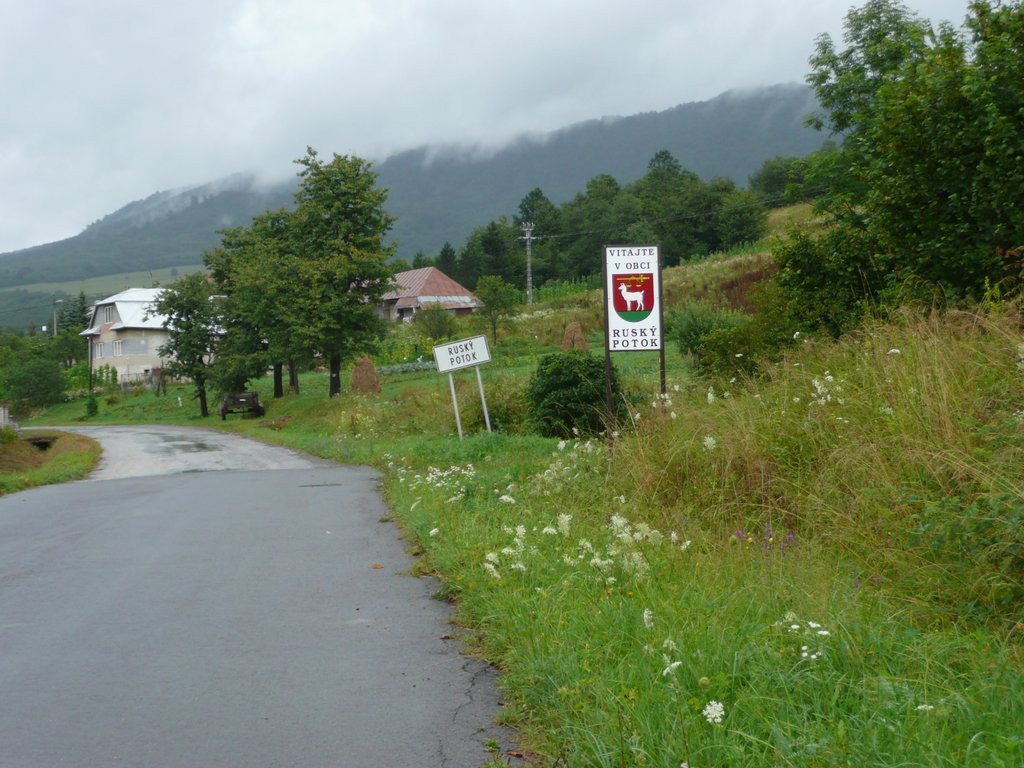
224, 618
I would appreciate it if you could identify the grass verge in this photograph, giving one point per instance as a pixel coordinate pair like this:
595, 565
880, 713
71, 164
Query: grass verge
24, 465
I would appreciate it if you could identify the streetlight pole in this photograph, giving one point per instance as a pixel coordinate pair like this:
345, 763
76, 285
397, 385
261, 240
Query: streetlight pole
55, 303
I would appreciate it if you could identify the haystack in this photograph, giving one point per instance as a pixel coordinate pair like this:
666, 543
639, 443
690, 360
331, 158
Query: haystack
364, 376
573, 338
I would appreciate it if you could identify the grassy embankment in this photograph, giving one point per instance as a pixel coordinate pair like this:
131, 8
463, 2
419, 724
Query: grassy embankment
821, 567
24, 465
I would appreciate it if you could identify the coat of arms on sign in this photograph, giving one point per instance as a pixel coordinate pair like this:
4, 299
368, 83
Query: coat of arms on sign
633, 296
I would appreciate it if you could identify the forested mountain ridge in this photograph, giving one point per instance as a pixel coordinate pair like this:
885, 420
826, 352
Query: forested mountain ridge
439, 194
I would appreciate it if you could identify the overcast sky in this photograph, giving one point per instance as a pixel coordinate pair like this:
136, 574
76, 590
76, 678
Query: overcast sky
106, 102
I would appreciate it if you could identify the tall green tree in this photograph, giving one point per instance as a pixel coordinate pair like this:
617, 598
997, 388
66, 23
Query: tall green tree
537, 209
447, 259
930, 189
340, 223
194, 318
256, 268
500, 302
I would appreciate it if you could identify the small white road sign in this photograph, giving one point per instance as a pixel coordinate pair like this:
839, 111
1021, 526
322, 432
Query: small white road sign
461, 354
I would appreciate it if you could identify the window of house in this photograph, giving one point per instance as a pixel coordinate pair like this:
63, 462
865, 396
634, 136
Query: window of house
108, 313
118, 348
97, 349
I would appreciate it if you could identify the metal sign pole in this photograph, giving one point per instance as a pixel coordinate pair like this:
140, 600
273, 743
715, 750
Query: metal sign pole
483, 400
455, 403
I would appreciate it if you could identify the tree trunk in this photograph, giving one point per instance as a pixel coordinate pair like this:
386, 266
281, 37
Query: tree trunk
278, 380
335, 388
204, 410
293, 377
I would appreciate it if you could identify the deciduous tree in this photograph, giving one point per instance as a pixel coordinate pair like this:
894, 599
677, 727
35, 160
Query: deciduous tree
194, 319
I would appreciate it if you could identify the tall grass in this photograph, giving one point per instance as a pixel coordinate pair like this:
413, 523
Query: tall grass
768, 551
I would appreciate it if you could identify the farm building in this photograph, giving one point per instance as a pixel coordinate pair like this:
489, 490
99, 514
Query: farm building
419, 288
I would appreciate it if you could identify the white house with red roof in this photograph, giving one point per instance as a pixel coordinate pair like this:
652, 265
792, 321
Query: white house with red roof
420, 288
125, 333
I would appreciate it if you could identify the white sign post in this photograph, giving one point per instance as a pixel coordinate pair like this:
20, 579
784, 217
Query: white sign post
466, 353
634, 316
633, 298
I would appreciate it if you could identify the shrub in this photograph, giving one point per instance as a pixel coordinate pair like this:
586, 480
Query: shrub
92, 406
689, 325
34, 383
832, 279
8, 435
566, 395
435, 322
740, 347
506, 406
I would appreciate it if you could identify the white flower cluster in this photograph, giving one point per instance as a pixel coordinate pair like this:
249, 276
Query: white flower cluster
449, 480
810, 635
826, 390
511, 556
714, 712
624, 553
570, 462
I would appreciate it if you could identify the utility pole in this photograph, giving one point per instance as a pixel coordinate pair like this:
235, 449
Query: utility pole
528, 237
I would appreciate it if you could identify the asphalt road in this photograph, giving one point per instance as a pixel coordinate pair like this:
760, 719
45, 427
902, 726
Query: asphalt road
225, 618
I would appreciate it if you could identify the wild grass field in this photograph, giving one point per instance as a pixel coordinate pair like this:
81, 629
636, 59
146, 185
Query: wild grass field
820, 565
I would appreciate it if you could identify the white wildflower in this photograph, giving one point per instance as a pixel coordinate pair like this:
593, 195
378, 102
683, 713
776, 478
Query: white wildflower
549, 531
563, 523
648, 618
507, 499
710, 443
924, 707
489, 567
713, 712
894, 351
672, 667
434, 532
711, 395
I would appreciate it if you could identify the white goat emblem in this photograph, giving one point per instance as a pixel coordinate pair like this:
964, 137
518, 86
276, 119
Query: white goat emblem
631, 297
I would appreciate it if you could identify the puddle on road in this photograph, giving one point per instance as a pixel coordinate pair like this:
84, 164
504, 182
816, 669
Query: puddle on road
179, 445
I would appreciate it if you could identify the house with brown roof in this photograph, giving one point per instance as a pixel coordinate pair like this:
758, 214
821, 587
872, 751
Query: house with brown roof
420, 288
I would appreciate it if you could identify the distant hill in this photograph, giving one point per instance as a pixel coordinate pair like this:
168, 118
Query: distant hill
438, 193
441, 195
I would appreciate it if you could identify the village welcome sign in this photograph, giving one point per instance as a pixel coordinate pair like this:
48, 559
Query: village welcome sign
633, 298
